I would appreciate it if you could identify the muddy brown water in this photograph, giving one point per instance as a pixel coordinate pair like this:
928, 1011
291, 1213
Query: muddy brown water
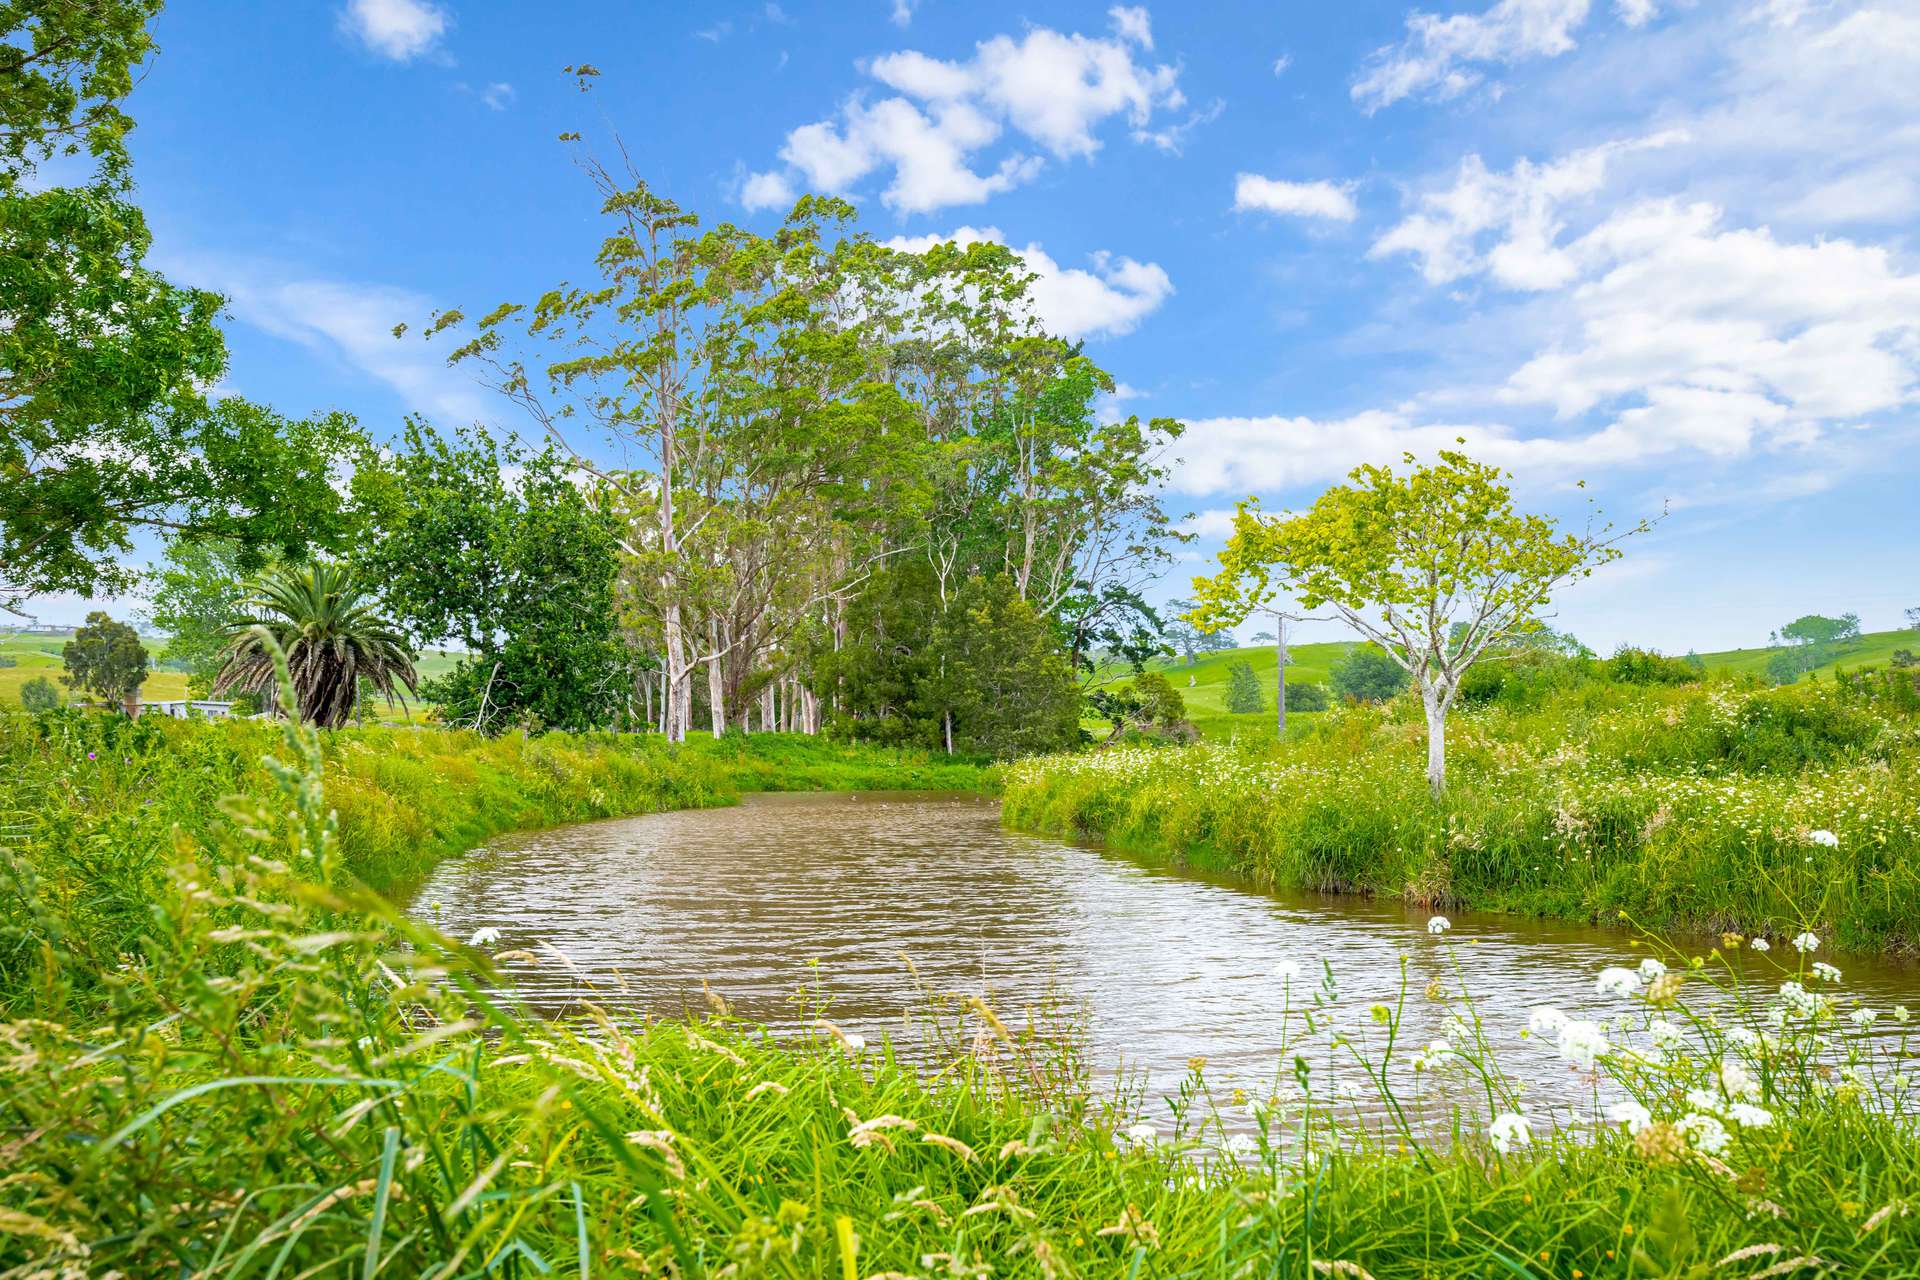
825, 892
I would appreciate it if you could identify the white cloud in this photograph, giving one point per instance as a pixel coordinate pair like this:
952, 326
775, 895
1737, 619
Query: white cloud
499, 95
398, 29
1110, 298
1636, 13
1131, 23
1173, 137
1520, 208
767, 191
347, 322
1431, 60
1281, 63
1300, 199
1055, 90
902, 14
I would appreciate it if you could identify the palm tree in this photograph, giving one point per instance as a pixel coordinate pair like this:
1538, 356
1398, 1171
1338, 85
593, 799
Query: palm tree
333, 636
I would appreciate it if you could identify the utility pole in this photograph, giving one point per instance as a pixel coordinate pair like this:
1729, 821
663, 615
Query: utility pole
1280, 620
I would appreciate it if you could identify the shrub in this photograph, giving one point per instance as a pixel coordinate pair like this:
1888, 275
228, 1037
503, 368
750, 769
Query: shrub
1307, 697
39, 694
1629, 665
1366, 674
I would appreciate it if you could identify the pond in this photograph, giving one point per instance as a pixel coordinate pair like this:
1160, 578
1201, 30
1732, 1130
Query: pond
797, 891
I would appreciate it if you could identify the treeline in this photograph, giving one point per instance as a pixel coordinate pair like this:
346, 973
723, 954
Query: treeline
799, 481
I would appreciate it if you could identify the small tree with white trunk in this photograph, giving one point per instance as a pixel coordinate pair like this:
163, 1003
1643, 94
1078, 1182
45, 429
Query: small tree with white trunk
1436, 567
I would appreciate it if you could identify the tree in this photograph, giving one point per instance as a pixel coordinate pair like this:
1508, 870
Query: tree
1008, 688
520, 572
1402, 559
1188, 639
104, 424
334, 638
198, 596
38, 694
1365, 673
1147, 704
1816, 632
1243, 689
106, 659
1913, 619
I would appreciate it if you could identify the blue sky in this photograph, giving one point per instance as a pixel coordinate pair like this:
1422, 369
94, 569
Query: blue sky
1667, 248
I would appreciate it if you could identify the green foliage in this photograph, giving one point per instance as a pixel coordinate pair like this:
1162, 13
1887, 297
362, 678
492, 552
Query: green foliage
105, 658
1367, 674
985, 667
522, 574
1306, 696
39, 694
1629, 665
1243, 689
1788, 665
104, 427
1436, 567
322, 617
1001, 675
1148, 704
1814, 630
1689, 807
199, 595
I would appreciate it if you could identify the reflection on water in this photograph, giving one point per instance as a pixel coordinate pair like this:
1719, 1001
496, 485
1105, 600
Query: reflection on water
1166, 964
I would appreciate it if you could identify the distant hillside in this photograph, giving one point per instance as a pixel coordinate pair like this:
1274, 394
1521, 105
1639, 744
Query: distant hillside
1874, 649
1206, 695
39, 655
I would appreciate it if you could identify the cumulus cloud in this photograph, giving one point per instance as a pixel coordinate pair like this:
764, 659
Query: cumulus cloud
1514, 214
1434, 60
1054, 90
1109, 297
1130, 22
1299, 199
398, 29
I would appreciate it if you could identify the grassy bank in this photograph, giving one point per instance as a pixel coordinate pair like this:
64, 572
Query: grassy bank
95, 804
268, 1086
1695, 807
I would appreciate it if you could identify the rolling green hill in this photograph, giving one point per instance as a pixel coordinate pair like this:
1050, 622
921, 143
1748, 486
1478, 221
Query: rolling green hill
1874, 649
1206, 695
39, 655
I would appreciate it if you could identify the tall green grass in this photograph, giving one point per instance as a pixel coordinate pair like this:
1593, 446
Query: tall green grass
286, 1078
95, 806
1691, 807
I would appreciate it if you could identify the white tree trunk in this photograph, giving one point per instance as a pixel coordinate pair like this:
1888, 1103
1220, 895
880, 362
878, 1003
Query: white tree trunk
1436, 705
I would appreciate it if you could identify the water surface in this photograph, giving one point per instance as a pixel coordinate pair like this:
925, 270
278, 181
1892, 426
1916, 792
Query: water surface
1166, 964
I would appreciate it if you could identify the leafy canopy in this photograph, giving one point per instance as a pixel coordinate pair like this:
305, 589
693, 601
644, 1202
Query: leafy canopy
106, 659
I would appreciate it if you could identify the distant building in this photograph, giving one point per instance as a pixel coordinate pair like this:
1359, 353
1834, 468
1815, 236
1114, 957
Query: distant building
184, 709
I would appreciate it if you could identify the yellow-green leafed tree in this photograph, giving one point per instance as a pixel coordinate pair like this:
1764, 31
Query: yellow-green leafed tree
1436, 566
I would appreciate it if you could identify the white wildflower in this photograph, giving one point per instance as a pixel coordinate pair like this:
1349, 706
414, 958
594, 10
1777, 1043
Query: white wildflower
1241, 1144
1439, 925
1824, 838
1901, 1013
854, 1041
1825, 972
1665, 1035
1509, 1131
1288, 971
1704, 1133
1806, 942
1630, 1114
1737, 1082
1546, 1021
1748, 1116
1865, 1017
1142, 1132
1651, 969
1582, 1043
1617, 982
1759, 944
486, 935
